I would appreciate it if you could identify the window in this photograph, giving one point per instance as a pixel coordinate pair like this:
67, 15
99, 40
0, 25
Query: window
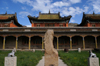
6, 25
46, 25
49, 25
93, 25
53, 25
38, 25
61, 25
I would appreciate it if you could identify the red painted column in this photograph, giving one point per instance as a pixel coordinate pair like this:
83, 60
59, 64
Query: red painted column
67, 24
32, 24
88, 24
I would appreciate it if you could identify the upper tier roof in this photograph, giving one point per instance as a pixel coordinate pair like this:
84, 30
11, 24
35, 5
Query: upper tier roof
49, 17
90, 18
9, 17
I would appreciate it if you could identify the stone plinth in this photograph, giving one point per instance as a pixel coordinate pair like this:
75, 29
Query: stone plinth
93, 61
51, 54
10, 61
79, 49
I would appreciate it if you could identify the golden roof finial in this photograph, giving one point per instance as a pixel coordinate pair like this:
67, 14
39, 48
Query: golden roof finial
49, 11
93, 13
6, 12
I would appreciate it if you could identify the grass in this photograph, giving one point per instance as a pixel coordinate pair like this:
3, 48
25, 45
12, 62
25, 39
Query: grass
24, 58
29, 58
74, 58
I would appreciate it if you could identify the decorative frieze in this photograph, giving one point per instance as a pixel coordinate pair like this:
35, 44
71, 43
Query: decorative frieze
72, 29
5, 30
27, 30
94, 30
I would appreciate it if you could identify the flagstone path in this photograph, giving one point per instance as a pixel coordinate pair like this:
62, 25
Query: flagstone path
60, 62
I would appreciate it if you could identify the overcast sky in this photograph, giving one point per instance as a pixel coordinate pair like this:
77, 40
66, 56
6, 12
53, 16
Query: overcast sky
23, 8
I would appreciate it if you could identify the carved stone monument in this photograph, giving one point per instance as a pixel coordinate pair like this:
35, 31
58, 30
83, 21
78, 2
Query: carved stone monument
93, 60
51, 54
12, 54
11, 60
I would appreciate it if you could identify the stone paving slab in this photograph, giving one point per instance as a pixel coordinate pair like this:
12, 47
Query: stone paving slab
41, 62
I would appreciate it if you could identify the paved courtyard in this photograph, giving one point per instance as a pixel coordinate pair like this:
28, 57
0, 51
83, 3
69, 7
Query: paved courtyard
41, 62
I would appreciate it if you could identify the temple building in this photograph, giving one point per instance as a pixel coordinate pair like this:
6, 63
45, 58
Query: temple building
90, 20
9, 20
49, 20
85, 35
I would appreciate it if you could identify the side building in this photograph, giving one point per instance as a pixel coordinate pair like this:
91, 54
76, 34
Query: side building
9, 20
86, 35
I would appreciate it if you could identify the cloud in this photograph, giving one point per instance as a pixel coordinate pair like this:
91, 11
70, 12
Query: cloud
21, 1
72, 20
96, 6
28, 25
28, 2
7, 7
75, 1
86, 8
60, 4
42, 5
24, 14
46, 5
24, 8
74, 11
63, 6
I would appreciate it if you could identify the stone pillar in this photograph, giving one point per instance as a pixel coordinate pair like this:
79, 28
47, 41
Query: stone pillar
70, 42
4, 42
42, 43
10, 61
16, 42
51, 54
57, 43
83, 43
29, 43
96, 43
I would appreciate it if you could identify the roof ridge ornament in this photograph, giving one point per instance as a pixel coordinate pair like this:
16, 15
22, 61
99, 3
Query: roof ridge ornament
15, 13
49, 11
83, 14
39, 13
93, 13
6, 12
